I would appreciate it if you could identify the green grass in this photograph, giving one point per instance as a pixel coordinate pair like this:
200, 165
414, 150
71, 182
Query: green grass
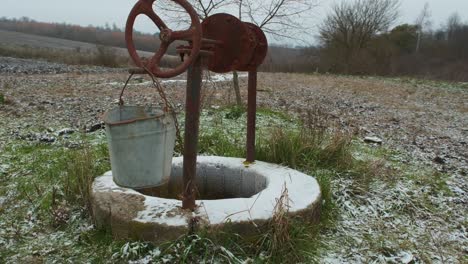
50, 184
47, 205
49, 173
306, 149
297, 144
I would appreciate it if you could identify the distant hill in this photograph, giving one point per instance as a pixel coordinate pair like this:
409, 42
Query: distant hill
35, 34
107, 36
29, 46
12, 38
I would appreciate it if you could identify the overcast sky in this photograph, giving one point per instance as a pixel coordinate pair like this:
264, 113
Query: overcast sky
99, 12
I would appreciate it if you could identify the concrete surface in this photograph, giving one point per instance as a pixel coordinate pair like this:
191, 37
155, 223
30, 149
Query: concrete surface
233, 195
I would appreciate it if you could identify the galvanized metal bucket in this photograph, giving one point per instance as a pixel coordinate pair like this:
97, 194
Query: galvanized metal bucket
141, 144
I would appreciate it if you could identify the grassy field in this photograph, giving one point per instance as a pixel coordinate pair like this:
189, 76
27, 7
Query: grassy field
381, 203
46, 194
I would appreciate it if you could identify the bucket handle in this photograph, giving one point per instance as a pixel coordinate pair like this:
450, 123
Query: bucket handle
121, 101
168, 107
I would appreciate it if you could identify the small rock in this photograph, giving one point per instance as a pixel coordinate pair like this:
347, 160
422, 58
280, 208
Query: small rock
72, 145
47, 139
406, 257
47, 102
95, 127
139, 79
2, 201
65, 131
439, 160
375, 140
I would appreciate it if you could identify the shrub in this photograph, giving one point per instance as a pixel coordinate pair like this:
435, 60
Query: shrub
106, 56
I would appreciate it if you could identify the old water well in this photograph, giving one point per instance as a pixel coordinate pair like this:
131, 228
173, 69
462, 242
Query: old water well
138, 199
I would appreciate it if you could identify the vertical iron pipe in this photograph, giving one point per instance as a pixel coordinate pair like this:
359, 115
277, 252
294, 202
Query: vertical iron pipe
192, 121
251, 115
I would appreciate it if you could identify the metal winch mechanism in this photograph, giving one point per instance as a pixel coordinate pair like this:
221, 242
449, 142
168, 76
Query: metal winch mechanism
220, 43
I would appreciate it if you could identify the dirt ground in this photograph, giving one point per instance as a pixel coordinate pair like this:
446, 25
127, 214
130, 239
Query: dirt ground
428, 121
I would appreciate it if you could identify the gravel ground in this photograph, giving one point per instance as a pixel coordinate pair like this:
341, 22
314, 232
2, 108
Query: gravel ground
27, 66
425, 122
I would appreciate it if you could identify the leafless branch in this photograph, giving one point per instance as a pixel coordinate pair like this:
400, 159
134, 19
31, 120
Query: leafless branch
279, 18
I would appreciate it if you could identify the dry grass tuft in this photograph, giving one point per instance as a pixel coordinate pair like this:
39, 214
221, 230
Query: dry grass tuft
277, 241
279, 223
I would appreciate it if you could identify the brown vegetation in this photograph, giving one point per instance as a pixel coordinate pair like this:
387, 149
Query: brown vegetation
355, 40
106, 36
104, 56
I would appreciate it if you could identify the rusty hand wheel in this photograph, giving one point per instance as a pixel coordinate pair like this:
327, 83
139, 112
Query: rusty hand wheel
167, 36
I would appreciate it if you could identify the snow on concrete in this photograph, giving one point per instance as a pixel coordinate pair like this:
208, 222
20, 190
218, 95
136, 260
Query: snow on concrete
303, 191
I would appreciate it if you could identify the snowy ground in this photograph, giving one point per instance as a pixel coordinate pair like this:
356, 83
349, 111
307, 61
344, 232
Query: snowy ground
416, 212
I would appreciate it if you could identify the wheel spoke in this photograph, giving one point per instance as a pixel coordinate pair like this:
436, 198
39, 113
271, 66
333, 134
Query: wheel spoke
156, 59
155, 18
182, 34
167, 36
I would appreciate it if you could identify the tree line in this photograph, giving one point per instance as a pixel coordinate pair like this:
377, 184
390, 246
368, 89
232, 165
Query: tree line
107, 35
357, 37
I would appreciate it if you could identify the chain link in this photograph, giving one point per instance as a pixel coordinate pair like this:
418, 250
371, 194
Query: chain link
168, 106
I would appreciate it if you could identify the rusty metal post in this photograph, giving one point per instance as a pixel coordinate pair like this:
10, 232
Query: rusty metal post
251, 115
192, 120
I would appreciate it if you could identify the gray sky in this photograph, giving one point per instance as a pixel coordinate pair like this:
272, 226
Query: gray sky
99, 12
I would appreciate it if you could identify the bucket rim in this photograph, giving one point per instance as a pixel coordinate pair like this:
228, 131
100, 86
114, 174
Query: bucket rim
105, 115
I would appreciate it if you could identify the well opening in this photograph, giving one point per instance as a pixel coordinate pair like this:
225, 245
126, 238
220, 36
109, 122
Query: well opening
213, 182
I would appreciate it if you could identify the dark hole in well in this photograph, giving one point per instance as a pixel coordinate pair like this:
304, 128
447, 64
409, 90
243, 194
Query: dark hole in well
213, 183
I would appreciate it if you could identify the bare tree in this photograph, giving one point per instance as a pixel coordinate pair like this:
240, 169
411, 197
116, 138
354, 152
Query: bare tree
457, 37
352, 24
176, 15
422, 22
281, 19
453, 23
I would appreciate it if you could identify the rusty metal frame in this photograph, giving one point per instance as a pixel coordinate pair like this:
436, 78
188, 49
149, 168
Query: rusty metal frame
251, 115
192, 121
222, 43
167, 36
